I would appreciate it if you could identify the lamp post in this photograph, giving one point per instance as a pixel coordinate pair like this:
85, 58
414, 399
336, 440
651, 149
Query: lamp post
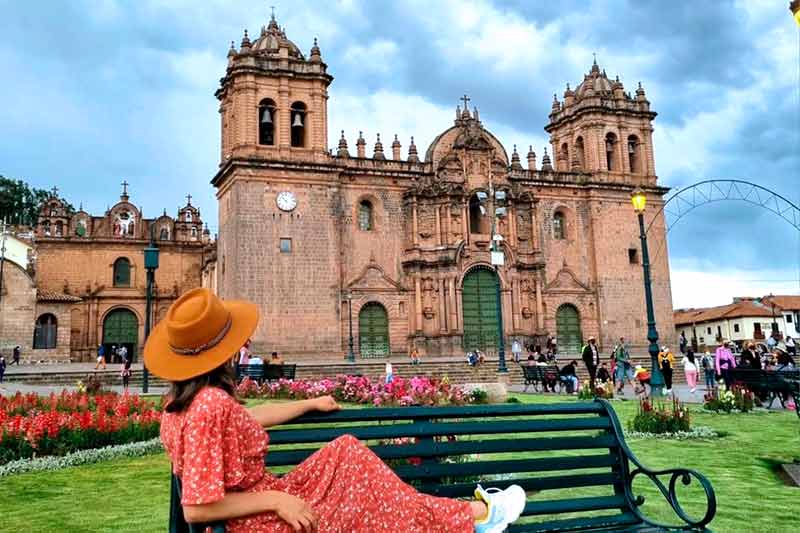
2, 254
497, 255
150, 265
351, 356
639, 201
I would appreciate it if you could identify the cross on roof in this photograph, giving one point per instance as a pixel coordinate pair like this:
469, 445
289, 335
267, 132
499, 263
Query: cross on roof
125, 187
188, 199
54, 191
273, 12
466, 99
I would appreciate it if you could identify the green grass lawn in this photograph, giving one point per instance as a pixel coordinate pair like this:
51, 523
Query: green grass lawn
133, 494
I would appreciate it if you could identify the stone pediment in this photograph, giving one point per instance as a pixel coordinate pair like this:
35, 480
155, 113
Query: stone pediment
374, 279
566, 280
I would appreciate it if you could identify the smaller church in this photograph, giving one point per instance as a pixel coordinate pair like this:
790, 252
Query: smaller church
77, 280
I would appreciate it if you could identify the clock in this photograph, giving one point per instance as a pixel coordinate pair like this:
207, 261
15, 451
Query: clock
286, 201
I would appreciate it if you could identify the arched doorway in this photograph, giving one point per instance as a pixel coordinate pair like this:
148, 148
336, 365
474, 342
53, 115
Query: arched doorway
568, 330
479, 310
373, 331
121, 328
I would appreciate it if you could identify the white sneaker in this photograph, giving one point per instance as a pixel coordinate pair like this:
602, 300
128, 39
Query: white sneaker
505, 507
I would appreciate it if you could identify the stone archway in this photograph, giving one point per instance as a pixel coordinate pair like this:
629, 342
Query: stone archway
373, 331
479, 309
121, 328
568, 330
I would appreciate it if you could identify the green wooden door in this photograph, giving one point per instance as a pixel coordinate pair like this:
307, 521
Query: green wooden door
568, 330
121, 327
373, 331
479, 310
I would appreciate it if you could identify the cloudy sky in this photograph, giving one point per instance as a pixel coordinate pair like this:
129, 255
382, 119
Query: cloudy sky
98, 91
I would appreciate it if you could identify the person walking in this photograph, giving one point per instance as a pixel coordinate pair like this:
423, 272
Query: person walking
2, 368
388, 373
343, 486
690, 369
666, 361
126, 374
15, 355
749, 359
123, 354
622, 365
790, 346
591, 358
724, 363
244, 353
707, 362
516, 349
101, 357
683, 343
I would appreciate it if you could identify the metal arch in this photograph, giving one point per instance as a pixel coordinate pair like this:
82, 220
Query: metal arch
710, 191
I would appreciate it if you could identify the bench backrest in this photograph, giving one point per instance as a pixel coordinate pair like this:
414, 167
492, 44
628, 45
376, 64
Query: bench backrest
570, 452
764, 378
250, 371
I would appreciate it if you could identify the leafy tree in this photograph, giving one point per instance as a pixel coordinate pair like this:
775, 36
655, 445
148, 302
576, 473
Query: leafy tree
20, 203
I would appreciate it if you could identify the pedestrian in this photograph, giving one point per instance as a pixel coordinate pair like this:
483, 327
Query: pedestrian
708, 370
472, 358
567, 375
724, 363
220, 475
2, 367
388, 373
622, 365
690, 369
414, 356
15, 355
516, 349
748, 359
591, 358
123, 354
790, 346
642, 379
771, 342
481, 357
244, 354
683, 343
603, 375
126, 374
275, 359
667, 363
101, 357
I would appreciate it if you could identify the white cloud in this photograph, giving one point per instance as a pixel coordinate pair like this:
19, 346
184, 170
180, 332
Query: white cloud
376, 57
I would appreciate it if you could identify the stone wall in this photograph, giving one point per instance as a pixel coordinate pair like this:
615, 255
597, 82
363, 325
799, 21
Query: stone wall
17, 310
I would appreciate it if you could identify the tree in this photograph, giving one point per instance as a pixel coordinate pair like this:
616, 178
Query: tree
20, 203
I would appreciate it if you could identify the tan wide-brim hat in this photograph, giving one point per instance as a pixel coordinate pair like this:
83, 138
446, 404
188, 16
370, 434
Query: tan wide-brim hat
199, 333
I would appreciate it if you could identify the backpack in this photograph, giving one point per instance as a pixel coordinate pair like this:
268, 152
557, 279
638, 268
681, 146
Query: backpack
706, 362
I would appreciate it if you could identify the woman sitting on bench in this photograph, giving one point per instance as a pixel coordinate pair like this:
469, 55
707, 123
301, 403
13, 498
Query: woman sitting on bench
217, 446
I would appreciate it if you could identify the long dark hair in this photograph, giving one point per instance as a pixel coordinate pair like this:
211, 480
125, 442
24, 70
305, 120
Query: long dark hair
690, 355
182, 393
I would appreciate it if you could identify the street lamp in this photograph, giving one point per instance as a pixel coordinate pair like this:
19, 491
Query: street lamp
150, 265
639, 201
2, 253
351, 357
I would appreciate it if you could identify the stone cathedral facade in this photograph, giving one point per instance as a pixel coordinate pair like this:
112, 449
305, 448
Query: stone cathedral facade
400, 244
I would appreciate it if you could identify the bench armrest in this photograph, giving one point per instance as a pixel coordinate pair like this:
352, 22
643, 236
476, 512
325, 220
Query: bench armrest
669, 492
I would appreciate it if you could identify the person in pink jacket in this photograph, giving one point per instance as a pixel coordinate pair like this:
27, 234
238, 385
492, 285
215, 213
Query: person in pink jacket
724, 363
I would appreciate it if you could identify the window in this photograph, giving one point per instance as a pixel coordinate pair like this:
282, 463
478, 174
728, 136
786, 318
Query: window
559, 226
736, 328
633, 256
719, 332
122, 272
633, 155
365, 216
286, 246
708, 330
44, 336
565, 156
475, 214
298, 124
266, 122
194, 232
788, 319
611, 146
164, 236
579, 152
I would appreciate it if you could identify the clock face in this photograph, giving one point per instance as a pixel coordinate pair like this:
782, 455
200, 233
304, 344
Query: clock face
286, 201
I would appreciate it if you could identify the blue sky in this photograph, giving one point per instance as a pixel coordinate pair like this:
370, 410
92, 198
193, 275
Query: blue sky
100, 91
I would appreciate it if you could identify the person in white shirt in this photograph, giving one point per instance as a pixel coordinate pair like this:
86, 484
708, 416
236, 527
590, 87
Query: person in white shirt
690, 369
389, 377
244, 354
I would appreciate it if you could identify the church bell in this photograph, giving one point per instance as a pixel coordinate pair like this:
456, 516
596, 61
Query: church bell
266, 116
298, 121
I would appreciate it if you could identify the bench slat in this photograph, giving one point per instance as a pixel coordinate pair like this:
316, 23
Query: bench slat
457, 490
427, 448
471, 411
578, 524
574, 505
430, 429
550, 464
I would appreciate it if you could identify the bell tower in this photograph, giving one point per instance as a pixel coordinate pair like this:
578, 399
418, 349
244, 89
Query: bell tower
599, 128
273, 101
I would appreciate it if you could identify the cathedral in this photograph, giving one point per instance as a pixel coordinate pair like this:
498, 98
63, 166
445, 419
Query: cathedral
394, 251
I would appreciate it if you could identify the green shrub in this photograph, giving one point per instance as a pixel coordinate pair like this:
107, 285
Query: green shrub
658, 419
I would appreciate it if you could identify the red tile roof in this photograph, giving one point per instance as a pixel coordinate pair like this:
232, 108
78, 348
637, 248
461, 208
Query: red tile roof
720, 312
784, 301
51, 296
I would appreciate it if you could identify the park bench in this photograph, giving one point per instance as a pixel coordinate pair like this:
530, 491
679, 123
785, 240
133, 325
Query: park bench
571, 458
261, 373
536, 375
770, 384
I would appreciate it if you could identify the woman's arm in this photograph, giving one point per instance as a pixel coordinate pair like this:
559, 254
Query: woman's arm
275, 414
297, 513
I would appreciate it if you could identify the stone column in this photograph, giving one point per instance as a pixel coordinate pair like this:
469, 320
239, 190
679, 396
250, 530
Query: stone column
448, 232
539, 307
437, 214
515, 303
465, 222
414, 224
282, 134
442, 307
418, 302
512, 226
453, 282
534, 227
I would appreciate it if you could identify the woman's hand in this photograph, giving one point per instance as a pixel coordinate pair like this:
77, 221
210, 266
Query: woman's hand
295, 512
324, 404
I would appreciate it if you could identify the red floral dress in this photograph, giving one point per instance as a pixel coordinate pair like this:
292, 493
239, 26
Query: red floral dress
216, 446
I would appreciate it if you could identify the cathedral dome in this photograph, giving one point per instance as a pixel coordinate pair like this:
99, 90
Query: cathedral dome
272, 39
595, 82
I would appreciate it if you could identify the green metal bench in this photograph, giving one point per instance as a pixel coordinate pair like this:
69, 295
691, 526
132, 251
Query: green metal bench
571, 458
770, 383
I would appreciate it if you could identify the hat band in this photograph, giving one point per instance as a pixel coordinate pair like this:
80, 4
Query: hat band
207, 346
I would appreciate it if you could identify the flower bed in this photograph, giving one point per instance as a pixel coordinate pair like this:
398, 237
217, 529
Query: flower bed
701, 432
601, 390
360, 389
736, 399
660, 419
33, 425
